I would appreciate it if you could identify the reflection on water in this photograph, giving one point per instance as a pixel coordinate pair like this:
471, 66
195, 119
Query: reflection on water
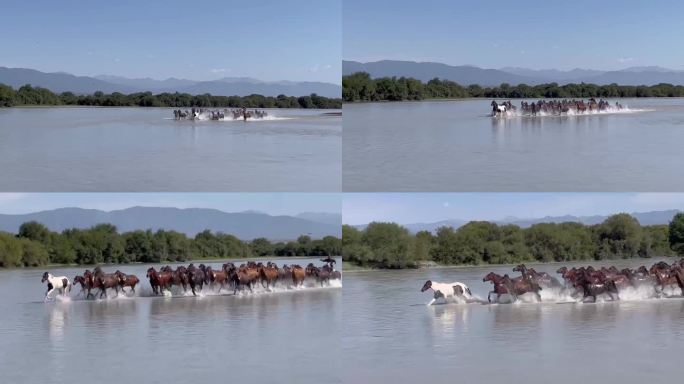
388, 336
140, 149
295, 333
457, 146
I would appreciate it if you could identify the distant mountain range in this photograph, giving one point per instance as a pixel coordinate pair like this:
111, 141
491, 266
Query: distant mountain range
245, 225
467, 74
645, 218
228, 86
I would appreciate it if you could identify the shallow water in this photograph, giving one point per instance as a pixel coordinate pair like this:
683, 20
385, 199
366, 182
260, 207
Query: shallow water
457, 146
390, 335
295, 333
144, 149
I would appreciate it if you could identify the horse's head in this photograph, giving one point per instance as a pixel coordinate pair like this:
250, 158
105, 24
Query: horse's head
490, 277
151, 272
520, 268
562, 270
46, 276
426, 286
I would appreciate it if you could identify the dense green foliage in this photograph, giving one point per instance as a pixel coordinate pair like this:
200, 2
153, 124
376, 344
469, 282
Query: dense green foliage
676, 233
28, 95
361, 87
389, 245
36, 245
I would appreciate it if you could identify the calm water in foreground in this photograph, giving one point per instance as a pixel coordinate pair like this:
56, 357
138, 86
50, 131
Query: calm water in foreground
391, 336
457, 146
144, 149
285, 336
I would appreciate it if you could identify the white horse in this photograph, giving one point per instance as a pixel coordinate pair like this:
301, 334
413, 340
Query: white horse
56, 282
498, 109
448, 290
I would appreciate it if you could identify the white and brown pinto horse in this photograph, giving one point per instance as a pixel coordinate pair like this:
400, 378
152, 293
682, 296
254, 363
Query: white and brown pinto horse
61, 283
447, 291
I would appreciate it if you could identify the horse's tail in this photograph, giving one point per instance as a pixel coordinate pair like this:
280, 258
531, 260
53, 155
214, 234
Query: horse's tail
468, 290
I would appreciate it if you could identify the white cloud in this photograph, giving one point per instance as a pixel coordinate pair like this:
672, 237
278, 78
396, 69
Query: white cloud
623, 60
117, 60
219, 70
446, 204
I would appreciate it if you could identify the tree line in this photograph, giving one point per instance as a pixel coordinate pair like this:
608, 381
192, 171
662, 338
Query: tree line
361, 87
29, 95
35, 245
389, 245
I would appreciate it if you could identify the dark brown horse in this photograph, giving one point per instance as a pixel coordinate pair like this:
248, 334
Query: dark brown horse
501, 285
195, 278
322, 274
596, 284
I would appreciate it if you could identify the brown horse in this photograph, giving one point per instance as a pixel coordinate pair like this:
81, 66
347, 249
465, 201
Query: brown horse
298, 275
664, 276
160, 280
217, 277
106, 281
501, 285
268, 275
127, 281
245, 277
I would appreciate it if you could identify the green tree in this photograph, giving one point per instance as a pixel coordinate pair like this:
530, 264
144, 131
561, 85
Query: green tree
676, 233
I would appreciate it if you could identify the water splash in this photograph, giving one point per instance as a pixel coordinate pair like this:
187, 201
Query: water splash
625, 110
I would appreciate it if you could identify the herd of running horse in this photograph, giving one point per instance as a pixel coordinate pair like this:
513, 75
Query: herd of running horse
201, 114
581, 283
554, 107
244, 277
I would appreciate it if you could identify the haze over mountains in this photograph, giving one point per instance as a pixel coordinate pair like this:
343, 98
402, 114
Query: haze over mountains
227, 86
245, 225
467, 74
645, 218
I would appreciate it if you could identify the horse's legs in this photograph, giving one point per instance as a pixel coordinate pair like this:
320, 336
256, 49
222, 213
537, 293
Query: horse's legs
431, 301
47, 293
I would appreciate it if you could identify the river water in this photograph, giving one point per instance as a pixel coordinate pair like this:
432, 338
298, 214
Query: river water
266, 337
389, 334
458, 146
144, 149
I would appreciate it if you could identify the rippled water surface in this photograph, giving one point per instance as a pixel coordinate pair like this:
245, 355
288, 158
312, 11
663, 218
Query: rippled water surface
284, 336
391, 336
457, 146
144, 149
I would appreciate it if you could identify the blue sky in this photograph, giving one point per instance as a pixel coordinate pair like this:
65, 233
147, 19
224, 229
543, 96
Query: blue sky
604, 34
405, 208
203, 39
271, 203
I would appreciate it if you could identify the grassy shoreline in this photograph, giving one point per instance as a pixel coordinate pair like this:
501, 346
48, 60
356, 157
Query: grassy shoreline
349, 267
197, 261
451, 99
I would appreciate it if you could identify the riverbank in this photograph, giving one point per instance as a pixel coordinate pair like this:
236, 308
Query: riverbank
360, 86
349, 267
37, 96
197, 261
